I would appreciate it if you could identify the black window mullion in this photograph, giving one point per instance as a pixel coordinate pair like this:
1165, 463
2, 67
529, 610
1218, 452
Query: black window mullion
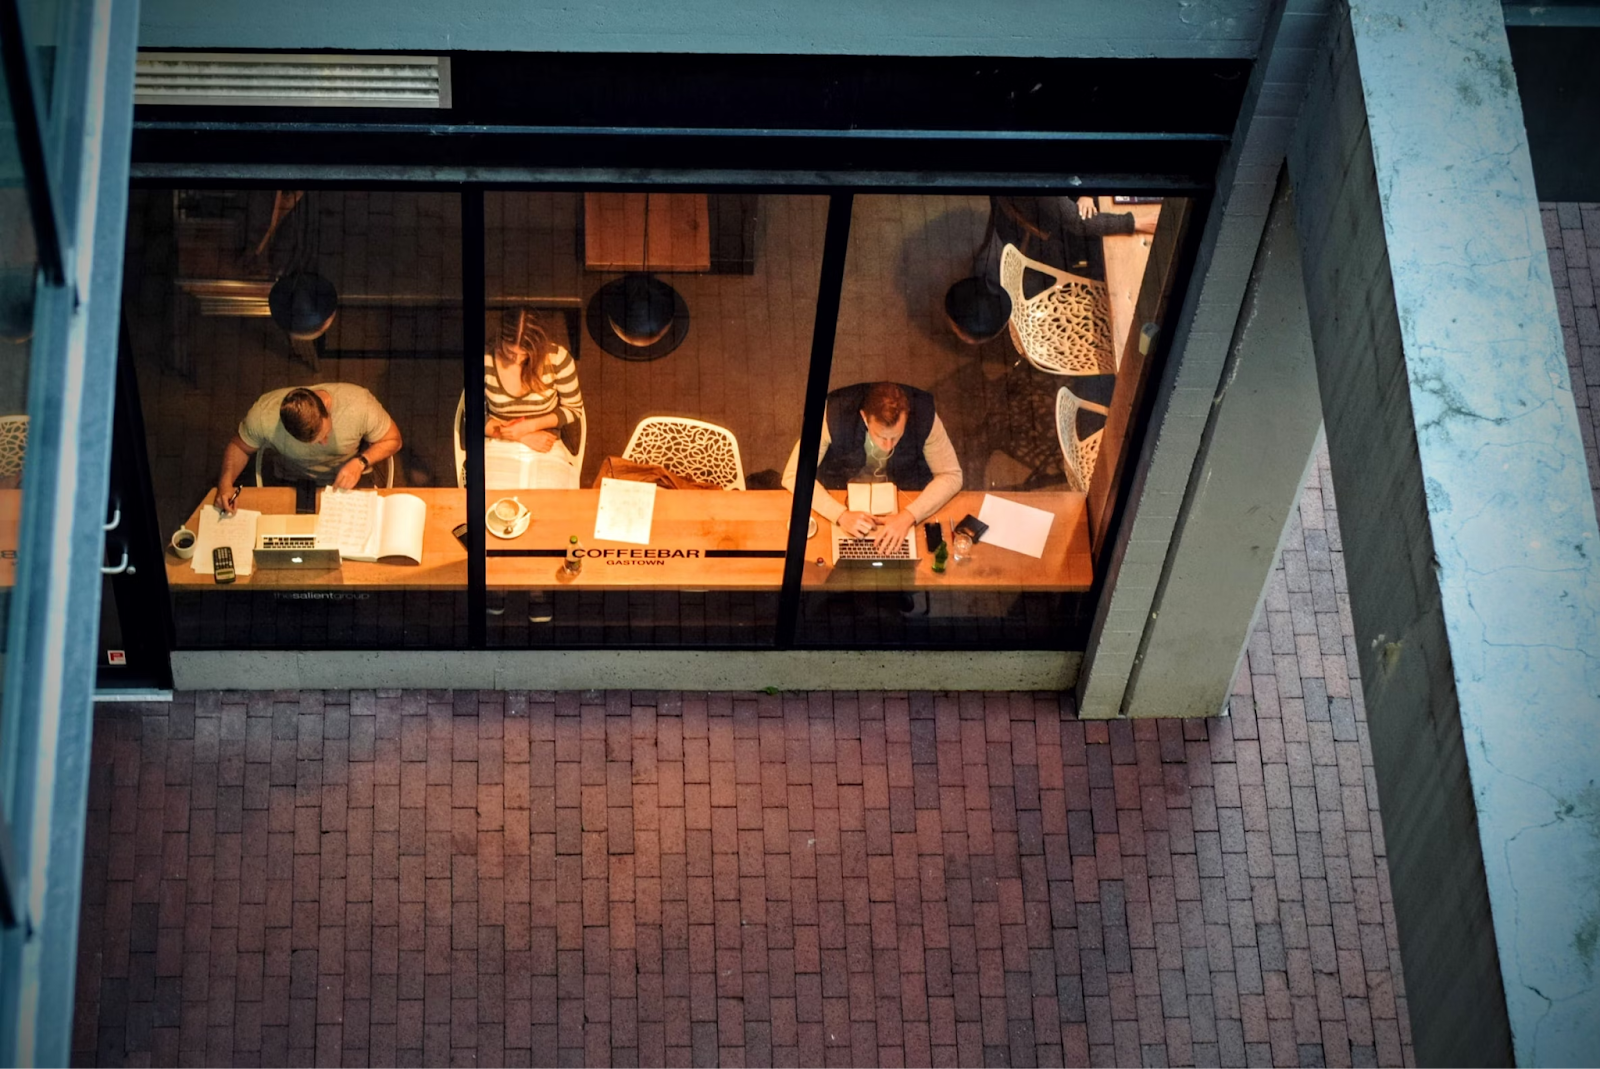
835, 244
472, 345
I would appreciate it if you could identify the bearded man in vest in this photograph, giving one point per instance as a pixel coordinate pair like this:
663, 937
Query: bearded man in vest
881, 432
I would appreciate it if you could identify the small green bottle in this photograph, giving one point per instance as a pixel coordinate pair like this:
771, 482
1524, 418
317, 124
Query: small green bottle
941, 555
574, 562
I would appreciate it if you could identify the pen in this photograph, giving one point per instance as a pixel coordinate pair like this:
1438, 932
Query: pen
233, 498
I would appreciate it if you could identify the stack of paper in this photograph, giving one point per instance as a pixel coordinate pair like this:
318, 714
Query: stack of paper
237, 532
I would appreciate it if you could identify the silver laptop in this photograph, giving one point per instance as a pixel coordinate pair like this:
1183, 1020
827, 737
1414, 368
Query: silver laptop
860, 549
290, 543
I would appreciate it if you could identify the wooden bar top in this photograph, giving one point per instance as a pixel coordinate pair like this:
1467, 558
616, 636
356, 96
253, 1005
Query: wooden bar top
1125, 257
700, 540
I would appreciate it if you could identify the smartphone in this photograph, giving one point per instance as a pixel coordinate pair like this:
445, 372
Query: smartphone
934, 533
222, 564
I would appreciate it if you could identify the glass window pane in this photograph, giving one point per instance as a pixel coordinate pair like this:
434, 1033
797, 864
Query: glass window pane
286, 340
44, 27
18, 272
977, 356
660, 340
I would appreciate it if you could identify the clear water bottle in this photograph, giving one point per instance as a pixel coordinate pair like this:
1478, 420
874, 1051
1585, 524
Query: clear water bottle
574, 562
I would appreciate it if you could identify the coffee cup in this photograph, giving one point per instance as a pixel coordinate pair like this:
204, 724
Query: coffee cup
507, 509
183, 541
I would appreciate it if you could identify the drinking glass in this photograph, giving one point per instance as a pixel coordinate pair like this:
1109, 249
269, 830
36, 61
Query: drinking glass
961, 546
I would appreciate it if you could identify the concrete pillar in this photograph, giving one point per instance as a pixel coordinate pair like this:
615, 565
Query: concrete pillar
1253, 456
1202, 334
1467, 523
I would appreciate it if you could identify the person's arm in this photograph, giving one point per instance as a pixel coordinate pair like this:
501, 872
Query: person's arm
1084, 219
945, 484
235, 455
822, 502
370, 455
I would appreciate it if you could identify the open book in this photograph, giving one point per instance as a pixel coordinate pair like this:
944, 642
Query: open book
875, 499
364, 526
513, 466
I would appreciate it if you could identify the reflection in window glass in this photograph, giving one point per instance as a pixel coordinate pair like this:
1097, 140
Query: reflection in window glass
977, 358
18, 271
288, 341
43, 26
644, 379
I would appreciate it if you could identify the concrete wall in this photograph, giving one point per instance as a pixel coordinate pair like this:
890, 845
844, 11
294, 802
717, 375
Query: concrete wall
1467, 524
1131, 28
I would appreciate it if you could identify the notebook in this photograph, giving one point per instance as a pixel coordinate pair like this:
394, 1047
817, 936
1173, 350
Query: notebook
367, 527
875, 499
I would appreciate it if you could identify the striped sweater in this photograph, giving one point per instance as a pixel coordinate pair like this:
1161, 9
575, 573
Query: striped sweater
558, 393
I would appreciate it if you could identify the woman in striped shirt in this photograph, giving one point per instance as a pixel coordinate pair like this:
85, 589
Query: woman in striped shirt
530, 384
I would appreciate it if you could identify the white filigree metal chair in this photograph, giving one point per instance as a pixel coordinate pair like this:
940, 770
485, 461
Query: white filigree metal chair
460, 441
13, 445
1078, 455
690, 448
1064, 330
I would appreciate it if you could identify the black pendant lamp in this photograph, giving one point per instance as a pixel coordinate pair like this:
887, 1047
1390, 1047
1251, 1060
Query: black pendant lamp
638, 316
302, 302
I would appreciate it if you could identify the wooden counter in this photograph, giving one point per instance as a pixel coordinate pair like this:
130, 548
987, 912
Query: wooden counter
444, 560
701, 540
1125, 257
10, 519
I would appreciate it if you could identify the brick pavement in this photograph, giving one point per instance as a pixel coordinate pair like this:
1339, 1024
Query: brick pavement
606, 878
1572, 234
832, 878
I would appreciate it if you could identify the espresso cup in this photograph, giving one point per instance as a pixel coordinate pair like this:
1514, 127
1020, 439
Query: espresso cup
183, 541
506, 510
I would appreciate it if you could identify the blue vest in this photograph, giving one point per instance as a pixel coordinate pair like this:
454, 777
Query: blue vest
847, 451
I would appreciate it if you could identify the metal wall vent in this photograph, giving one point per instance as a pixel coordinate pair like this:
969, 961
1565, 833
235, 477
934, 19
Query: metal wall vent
235, 79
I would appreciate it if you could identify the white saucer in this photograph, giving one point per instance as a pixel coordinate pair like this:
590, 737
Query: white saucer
497, 526
811, 527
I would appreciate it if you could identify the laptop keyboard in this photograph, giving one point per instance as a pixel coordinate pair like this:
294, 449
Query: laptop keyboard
852, 547
288, 541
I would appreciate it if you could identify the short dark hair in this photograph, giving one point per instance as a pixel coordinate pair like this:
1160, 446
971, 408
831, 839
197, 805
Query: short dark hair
886, 402
302, 413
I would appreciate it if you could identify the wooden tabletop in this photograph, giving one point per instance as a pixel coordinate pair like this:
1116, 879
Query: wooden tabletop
1125, 257
10, 516
615, 230
700, 540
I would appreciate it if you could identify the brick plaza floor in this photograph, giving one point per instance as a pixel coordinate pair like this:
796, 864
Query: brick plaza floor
831, 878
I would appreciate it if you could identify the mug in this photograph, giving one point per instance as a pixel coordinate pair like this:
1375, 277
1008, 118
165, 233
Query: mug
508, 510
183, 541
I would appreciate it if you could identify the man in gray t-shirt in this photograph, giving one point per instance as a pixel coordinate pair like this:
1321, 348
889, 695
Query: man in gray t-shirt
331, 433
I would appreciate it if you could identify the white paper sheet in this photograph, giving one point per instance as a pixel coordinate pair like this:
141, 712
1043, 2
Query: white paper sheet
626, 510
237, 532
1015, 526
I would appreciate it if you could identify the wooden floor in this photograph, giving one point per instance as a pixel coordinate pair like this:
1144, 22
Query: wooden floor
743, 364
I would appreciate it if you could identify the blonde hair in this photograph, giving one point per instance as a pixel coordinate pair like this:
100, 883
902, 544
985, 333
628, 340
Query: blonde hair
524, 342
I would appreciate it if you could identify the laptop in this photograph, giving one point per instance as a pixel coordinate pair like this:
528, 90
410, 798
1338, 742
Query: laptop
289, 543
853, 550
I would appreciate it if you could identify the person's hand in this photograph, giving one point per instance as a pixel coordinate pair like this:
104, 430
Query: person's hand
539, 441
1144, 224
224, 499
856, 523
1087, 209
350, 473
893, 532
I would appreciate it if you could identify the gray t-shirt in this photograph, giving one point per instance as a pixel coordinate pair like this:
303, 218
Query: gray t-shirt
356, 416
